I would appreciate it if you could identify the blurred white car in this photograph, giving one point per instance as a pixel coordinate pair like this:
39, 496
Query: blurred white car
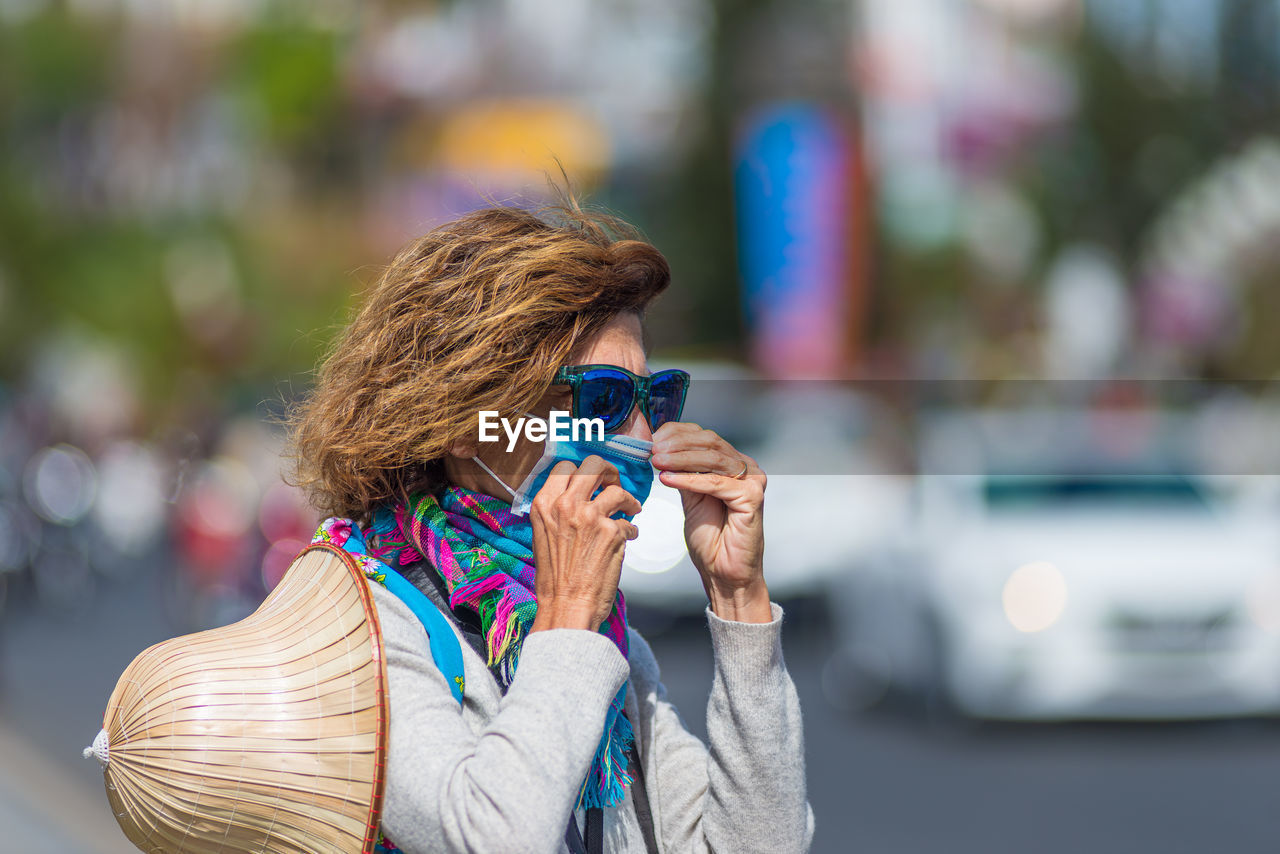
1058, 566
827, 496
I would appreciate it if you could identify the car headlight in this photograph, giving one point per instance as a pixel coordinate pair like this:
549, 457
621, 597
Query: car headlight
1034, 597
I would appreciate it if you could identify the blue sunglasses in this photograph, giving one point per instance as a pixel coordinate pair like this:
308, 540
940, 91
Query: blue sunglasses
609, 393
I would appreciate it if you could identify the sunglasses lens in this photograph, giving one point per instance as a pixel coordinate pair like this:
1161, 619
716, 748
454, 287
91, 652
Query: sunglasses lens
666, 397
606, 395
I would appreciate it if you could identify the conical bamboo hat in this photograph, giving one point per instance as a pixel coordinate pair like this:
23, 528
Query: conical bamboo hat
267, 735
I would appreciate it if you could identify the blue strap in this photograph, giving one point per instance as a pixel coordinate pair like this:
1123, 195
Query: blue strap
445, 649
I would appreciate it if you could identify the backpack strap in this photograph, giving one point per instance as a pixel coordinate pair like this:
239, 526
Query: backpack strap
431, 585
640, 799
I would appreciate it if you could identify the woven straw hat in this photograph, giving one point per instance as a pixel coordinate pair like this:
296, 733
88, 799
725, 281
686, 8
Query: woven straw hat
267, 735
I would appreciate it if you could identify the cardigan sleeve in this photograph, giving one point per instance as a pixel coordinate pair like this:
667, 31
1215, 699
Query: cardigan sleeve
744, 790
511, 785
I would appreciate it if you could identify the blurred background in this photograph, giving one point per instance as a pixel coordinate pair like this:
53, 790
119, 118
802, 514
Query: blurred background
984, 284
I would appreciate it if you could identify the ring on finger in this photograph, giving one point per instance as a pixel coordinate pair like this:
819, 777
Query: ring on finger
740, 475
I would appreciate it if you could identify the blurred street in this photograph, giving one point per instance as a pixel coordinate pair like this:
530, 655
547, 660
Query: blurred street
879, 784
55, 676
886, 784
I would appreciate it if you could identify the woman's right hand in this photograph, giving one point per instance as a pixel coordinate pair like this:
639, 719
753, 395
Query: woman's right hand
577, 548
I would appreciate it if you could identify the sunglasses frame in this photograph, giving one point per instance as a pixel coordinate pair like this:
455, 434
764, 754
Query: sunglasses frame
641, 388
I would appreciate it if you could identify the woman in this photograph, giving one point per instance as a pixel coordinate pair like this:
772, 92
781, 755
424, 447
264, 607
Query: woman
569, 734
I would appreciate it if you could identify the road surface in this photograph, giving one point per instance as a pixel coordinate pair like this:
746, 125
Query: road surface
880, 784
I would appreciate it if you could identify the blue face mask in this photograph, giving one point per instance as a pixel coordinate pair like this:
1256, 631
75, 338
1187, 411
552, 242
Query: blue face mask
628, 454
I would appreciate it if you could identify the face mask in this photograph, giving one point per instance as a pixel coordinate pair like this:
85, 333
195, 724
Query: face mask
628, 454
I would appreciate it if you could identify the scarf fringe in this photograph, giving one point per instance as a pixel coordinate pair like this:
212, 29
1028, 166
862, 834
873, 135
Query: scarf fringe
607, 779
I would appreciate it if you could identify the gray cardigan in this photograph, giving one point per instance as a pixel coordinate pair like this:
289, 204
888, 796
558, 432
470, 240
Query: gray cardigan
501, 773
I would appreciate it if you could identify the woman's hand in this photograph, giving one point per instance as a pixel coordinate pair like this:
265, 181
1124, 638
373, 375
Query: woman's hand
723, 516
577, 548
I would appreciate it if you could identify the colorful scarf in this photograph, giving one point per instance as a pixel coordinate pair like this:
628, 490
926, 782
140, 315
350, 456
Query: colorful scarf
484, 553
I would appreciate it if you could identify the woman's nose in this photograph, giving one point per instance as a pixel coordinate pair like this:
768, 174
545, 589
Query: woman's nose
637, 426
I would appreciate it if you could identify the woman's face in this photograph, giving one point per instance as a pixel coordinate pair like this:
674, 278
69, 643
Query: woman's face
619, 343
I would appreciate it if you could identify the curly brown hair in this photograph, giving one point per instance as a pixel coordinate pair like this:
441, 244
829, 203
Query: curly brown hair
475, 315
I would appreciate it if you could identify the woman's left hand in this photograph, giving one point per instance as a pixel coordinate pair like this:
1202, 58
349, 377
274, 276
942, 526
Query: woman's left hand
723, 516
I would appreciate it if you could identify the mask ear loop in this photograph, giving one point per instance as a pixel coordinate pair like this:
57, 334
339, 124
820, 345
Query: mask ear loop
493, 475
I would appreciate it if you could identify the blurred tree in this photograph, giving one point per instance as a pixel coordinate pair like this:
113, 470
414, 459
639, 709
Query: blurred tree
1250, 67
93, 235
1132, 147
286, 76
697, 228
